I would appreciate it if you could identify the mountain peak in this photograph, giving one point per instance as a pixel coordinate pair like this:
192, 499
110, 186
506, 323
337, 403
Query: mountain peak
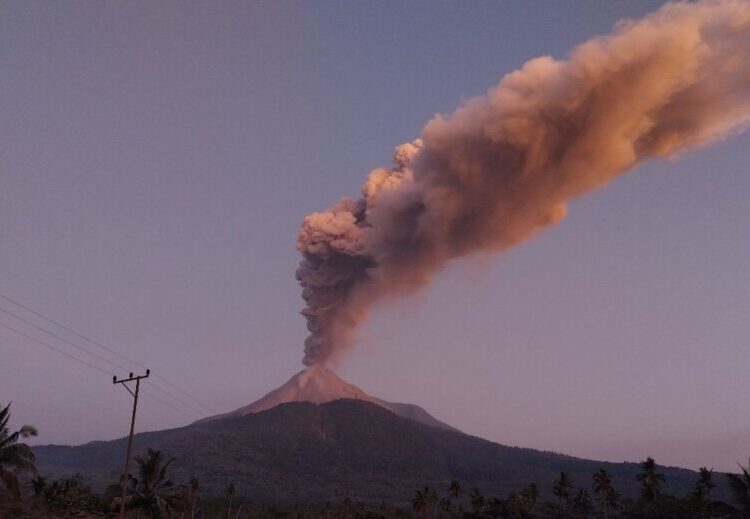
316, 384
320, 378
319, 385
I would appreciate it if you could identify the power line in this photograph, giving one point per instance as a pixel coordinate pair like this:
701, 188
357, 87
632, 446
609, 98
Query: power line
183, 402
99, 345
61, 352
178, 388
154, 397
63, 339
93, 366
38, 314
103, 359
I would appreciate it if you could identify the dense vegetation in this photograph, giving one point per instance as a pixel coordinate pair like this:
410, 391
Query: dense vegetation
152, 493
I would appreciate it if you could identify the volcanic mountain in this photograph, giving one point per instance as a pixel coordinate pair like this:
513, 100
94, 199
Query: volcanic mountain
317, 452
319, 385
318, 438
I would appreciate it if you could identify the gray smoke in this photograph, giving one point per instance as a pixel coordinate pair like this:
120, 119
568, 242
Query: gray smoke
503, 165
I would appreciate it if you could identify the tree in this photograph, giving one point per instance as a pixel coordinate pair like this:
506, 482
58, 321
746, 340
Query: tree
478, 501
15, 457
425, 502
68, 497
430, 501
650, 481
38, 485
529, 497
194, 489
419, 502
740, 486
496, 508
152, 492
455, 490
562, 489
605, 492
582, 504
229, 491
701, 494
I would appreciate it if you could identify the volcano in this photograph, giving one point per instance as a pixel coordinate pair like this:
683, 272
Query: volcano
318, 438
319, 385
308, 452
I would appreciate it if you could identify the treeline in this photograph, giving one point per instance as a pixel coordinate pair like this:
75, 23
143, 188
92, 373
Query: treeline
150, 493
600, 499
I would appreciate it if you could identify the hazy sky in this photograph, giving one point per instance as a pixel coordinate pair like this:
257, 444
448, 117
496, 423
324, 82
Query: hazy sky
157, 159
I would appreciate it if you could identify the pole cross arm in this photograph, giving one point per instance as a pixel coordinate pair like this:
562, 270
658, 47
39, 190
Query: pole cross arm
130, 378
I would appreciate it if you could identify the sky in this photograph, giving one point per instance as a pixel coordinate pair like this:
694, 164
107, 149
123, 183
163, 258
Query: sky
158, 158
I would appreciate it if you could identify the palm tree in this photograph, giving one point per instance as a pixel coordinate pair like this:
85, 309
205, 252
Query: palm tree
455, 490
740, 486
153, 492
419, 502
562, 489
14, 457
230, 490
705, 481
432, 500
478, 501
582, 503
425, 502
38, 485
529, 497
605, 492
194, 488
701, 494
650, 480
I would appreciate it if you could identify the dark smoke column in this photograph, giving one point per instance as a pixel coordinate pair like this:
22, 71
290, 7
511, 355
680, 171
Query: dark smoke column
338, 273
504, 164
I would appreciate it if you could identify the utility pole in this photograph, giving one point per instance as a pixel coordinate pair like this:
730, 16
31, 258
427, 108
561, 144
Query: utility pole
124, 382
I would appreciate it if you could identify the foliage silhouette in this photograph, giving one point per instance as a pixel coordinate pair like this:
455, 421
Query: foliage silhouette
15, 457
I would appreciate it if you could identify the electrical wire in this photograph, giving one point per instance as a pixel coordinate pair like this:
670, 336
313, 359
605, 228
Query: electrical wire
61, 352
93, 366
154, 397
115, 364
63, 339
103, 347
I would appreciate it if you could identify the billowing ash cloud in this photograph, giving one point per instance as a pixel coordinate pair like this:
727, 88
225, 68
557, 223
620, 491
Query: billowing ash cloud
503, 165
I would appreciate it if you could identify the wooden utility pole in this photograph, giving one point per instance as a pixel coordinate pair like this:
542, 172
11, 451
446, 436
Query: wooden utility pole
124, 382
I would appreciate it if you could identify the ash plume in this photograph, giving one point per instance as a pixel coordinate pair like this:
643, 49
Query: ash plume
503, 165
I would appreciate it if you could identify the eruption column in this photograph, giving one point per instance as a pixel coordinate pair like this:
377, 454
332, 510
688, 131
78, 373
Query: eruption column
503, 165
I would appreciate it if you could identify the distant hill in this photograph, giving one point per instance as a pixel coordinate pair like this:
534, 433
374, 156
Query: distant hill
307, 451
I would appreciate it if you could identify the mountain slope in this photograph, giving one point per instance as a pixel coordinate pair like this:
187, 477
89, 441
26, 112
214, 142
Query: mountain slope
307, 451
320, 385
